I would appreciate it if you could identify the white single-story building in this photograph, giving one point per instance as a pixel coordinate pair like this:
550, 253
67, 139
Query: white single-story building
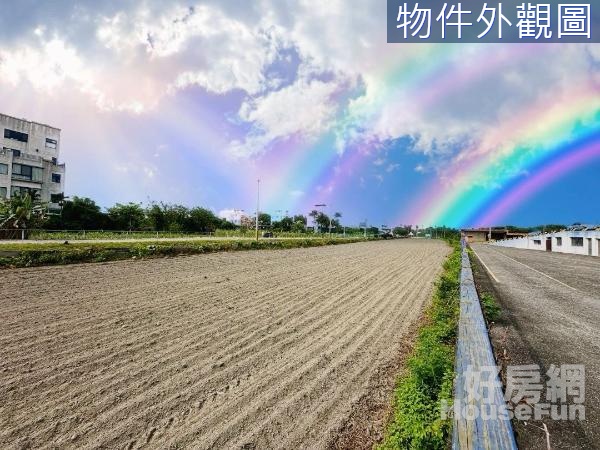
579, 240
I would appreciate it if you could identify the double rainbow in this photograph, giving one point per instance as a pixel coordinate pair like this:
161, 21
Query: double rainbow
512, 162
521, 154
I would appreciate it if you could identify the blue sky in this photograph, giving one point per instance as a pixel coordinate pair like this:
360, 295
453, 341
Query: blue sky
191, 102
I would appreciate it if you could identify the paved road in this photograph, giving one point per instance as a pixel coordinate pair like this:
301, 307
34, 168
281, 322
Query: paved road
553, 301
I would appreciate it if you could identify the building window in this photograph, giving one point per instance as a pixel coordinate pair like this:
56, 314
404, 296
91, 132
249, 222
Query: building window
558, 241
3, 169
29, 173
51, 143
577, 241
20, 191
16, 135
56, 198
2, 193
56, 177
537, 242
16, 153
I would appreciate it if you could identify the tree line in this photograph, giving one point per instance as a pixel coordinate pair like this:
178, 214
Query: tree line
82, 213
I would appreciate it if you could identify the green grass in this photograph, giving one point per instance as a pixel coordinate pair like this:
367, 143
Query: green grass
417, 422
490, 308
30, 255
89, 235
95, 235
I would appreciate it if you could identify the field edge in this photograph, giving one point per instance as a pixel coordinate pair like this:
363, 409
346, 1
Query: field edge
416, 421
36, 255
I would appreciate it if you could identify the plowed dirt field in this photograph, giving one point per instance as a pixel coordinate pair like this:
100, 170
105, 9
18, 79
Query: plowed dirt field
257, 349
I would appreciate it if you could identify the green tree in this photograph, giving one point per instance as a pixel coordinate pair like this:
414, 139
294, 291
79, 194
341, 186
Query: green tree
79, 213
226, 224
130, 216
372, 230
314, 214
401, 231
299, 226
336, 222
202, 220
323, 221
264, 220
300, 218
155, 216
178, 218
284, 224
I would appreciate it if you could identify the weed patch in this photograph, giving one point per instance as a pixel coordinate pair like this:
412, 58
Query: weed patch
416, 422
490, 308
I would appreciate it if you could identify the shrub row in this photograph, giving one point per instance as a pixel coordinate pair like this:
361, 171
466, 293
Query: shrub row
43, 255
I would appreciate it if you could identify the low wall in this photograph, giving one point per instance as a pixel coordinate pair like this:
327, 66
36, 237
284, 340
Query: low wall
573, 242
488, 427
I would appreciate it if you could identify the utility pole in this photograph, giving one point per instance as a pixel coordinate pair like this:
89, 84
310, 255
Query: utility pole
257, 205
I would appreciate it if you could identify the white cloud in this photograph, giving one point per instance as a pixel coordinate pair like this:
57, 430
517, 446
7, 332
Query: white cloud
232, 215
127, 56
392, 167
137, 169
46, 67
305, 108
140, 55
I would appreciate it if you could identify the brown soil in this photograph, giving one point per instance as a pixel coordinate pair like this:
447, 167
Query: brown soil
265, 349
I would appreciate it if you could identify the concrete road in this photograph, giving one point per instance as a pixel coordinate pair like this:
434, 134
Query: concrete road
552, 302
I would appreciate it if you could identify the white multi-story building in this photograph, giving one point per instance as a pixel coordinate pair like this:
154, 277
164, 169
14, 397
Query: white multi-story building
29, 161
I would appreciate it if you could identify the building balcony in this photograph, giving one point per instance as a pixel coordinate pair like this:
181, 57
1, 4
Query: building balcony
26, 157
18, 177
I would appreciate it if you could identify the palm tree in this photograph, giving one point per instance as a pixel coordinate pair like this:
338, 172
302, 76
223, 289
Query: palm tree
336, 219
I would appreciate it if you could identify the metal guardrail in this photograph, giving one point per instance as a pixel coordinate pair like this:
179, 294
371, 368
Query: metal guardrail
474, 354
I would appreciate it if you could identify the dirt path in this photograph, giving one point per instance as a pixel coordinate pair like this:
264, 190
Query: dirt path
263, 349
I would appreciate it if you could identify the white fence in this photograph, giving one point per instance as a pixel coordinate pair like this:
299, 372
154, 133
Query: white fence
575, 242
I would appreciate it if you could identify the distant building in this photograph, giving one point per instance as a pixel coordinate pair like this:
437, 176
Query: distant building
247, 222
29, 161
579, 240
484, 234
